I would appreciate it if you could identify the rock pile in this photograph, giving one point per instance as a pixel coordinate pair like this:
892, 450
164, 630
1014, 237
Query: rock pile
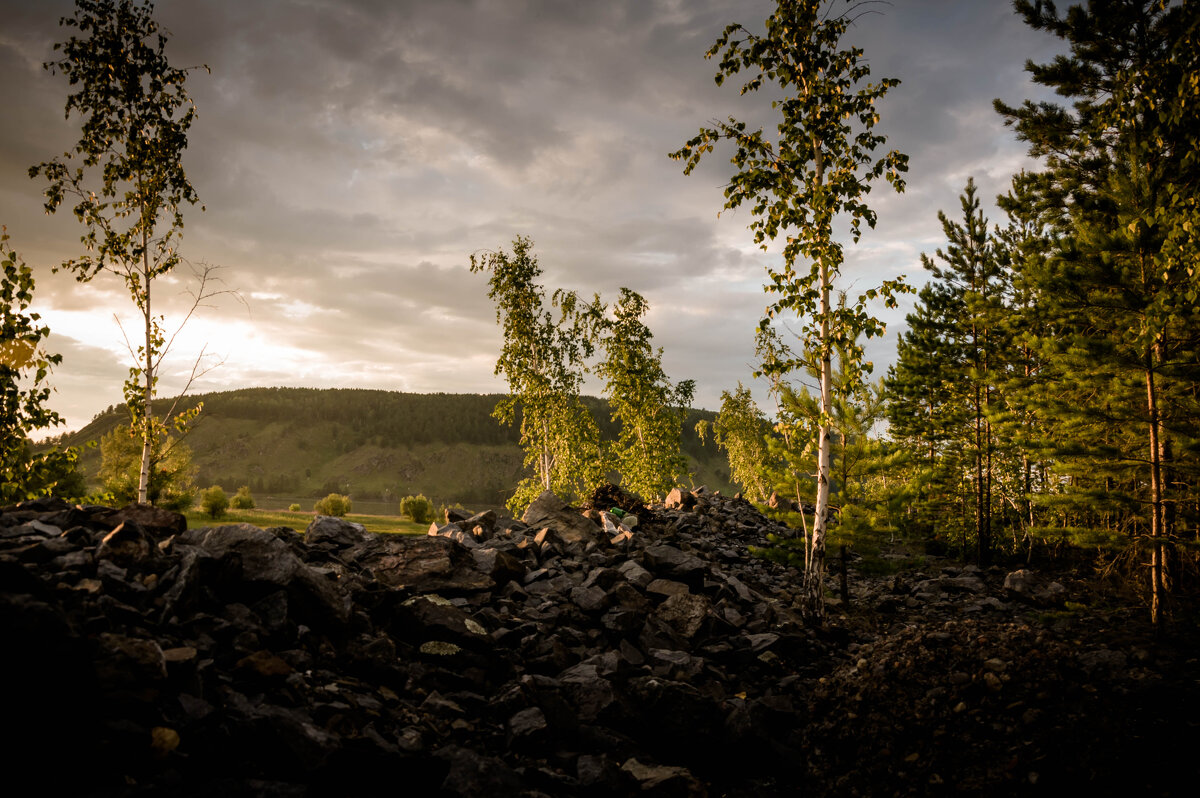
620, 650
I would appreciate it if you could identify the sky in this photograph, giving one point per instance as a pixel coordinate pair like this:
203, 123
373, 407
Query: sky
351, 155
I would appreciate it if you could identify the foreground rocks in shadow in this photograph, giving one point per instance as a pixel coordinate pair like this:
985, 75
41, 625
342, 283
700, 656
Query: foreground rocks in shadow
569, 653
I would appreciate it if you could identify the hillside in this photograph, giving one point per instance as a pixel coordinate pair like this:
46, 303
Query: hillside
374, 445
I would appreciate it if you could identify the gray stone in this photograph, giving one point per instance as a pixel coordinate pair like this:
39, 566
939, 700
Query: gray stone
684, 612
1031, 587
527, 722
589, 599
635, 573
679, 499
501, 566
334, 531
667, 587
421, 564
672, 561
549, 510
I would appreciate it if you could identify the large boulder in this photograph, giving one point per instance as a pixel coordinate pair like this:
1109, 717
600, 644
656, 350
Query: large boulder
548, 510
154, 520
337, 532
422, 564
1030, 586
251, 555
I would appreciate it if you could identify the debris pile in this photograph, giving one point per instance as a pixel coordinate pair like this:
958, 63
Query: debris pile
617, 650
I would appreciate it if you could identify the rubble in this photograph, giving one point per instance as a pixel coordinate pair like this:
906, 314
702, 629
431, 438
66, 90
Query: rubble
535, 657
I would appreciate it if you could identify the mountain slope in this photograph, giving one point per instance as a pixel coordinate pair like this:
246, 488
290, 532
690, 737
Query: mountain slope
374, 445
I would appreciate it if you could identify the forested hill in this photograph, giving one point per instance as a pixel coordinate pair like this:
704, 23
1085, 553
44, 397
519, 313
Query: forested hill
370, 444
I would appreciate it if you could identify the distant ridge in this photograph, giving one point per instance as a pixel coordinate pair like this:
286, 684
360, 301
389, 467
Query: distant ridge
375, 445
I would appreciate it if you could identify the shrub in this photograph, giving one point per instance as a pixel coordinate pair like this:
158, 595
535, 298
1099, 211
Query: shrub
333, 504
180, 501
417, 508
242, 500
214, 501
293, 508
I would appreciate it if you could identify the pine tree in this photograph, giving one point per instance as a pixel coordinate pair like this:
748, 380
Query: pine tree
1122, 289
924, 416
970, 274
1022, 248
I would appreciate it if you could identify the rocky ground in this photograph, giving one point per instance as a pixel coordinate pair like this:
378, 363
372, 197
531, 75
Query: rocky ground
566, 654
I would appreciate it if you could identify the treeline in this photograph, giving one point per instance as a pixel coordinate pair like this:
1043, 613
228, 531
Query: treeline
372, 444
384, 418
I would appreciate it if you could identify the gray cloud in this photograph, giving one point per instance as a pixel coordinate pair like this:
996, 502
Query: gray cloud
353, 153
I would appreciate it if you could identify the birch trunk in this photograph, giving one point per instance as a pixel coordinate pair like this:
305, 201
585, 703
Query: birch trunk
815, 574
148, 379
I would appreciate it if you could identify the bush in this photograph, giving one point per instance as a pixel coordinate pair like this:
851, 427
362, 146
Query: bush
417, 508
178, 501
293, 508
170, 479
242, 500
333, 504
214, 501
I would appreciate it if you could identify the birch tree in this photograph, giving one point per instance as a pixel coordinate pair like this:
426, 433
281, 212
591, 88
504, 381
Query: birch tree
651, 410
125, 175
741, 429
543, 360
819, 165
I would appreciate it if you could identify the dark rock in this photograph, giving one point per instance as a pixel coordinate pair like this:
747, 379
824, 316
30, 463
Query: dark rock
124, 662
336, 532
247, 553
684, 612
455, 515
663, 779
589, 693
679, 499
528, 723
670, 561
456, 533
421, 564
589, 599
471, 774
667, 587
501, 566
431, 617
550, 511
481, 525
128, 545
234, 660
155, 521
1028, 586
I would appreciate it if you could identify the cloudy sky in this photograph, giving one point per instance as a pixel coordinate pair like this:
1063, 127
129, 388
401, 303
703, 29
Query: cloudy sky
352, 154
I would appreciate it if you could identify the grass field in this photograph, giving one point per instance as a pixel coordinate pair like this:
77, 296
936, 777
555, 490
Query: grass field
300, 521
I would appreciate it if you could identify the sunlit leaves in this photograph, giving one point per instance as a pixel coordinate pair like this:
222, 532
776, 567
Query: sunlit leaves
543, 362
741, 429
24, 367
650, 409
